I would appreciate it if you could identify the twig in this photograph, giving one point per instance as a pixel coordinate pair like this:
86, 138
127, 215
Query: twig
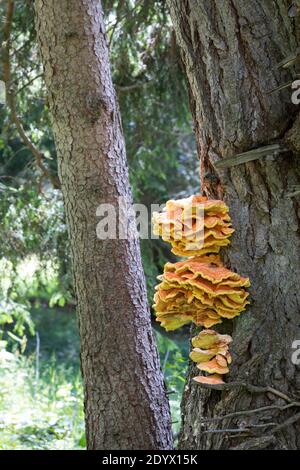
250, 388
251, 412
170, 392
29, 82
11, 99
294, 194
289, 60
294, 191
254, 389
134, 86
281, 87
250, 155
231, 431
239, 430
286, 423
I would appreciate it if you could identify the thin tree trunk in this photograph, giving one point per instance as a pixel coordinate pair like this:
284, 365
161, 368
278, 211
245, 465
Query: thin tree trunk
230, 49
125, 400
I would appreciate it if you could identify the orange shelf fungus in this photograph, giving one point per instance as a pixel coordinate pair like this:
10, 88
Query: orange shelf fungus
194, 226
213, 367
199, 289
213, 379
211, 353
210, 339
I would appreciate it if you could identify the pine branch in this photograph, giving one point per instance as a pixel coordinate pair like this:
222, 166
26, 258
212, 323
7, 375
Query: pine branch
11, 98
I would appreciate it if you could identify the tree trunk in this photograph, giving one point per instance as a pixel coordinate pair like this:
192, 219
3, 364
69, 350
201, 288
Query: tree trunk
230, 50
125, 399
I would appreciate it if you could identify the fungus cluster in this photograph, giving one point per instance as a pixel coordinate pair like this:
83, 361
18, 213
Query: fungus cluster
199, 289
194, 225
211, 353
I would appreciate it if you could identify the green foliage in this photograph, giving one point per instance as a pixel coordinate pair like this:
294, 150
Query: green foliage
44, 408
14, 312
44, 412
174, 359
16, 161
28, 282
34, 262
151, 91
152, 95
32, 223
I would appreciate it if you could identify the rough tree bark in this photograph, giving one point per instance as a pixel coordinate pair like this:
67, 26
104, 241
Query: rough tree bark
230, 49
125, 400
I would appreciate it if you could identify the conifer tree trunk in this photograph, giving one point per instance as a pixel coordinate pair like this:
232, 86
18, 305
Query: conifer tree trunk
230, 50
125, 400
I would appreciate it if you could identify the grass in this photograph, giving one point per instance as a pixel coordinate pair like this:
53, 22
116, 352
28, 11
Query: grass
41, 401
40, 412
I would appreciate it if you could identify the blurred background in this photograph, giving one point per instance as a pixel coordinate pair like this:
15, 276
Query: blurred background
41, 399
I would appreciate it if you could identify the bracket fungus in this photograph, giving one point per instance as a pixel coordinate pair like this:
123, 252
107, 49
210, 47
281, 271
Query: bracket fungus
213, 379
199, 289
211, 353
194, 225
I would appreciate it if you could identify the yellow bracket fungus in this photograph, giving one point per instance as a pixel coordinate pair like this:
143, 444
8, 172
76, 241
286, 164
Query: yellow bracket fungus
199, 289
